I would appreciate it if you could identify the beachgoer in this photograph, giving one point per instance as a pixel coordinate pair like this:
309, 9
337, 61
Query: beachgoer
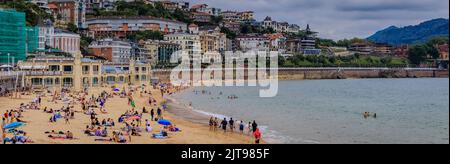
254, 126
224, 125
257, 136
231, 124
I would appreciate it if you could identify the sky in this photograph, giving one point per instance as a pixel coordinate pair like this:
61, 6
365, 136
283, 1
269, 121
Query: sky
339, 19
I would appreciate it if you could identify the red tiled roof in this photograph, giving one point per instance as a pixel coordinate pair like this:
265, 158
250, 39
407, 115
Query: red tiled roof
52, 6
193, 25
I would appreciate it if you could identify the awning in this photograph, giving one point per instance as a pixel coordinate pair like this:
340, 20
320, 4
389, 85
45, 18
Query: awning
6, 66
33, 67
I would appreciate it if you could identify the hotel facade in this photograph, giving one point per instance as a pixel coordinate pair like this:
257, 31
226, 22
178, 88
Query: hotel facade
76, 73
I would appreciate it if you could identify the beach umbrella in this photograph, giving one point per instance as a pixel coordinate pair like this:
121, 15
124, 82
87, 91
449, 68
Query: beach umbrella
164, 122
116, 90
14, 125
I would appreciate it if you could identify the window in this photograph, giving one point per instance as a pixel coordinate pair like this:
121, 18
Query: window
95, 68
67, 68
54, 68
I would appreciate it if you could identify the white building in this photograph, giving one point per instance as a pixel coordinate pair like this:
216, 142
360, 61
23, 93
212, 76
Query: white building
204, 8
65, 41
252, 42
43, 4
187, 42
279, 26
46, 34
113, 50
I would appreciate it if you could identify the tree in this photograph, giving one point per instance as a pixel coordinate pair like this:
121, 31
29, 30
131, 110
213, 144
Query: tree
72, 27
386, 60
145, 35
34, 14
230, 34
281, 60
417, 54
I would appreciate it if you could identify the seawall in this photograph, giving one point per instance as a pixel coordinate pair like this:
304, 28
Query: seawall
340, 73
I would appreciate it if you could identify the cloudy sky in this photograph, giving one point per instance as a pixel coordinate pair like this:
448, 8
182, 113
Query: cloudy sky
337, 19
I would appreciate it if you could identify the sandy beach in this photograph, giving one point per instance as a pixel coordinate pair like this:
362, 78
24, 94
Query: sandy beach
37, 122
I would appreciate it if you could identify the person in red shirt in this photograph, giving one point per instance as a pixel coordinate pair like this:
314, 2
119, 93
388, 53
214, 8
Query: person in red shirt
257, 136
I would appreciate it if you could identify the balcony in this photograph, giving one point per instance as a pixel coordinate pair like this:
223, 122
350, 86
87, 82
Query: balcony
43, 73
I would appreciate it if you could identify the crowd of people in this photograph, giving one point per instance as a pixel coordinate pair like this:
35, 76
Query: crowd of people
131, 123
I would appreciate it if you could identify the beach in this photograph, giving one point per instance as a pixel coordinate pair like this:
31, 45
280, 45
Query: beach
37, 122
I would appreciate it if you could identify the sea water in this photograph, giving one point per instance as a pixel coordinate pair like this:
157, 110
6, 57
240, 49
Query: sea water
331, 111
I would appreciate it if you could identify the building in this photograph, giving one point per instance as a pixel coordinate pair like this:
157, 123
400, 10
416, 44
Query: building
230, 16
204, 8
383, 49
308, 43
32, 40
189, 43
233, 26
252, 42
13, 36
200, 17
401, 51
65, 41
443, 51
161, 52
68, 11
281, 27
293, 46
276, 42
236, 16
46, 34
119, 27
113, 50
212, 40
247, 16
170, 4
98, 4
194, 29
43, 4
140, 54
76, 73
362, 48
293, 28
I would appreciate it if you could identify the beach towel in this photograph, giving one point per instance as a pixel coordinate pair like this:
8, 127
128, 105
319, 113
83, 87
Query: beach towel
103, 139
159, 136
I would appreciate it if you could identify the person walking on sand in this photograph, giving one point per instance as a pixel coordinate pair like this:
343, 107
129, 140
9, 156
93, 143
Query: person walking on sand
158, 112
211, 124
224, 125
249, 128
216, 123
254, 126
152, 113
257, 135
241, 127
231, 124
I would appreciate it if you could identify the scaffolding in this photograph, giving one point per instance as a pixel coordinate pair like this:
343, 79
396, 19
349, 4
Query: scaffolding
32, 39
12, 36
